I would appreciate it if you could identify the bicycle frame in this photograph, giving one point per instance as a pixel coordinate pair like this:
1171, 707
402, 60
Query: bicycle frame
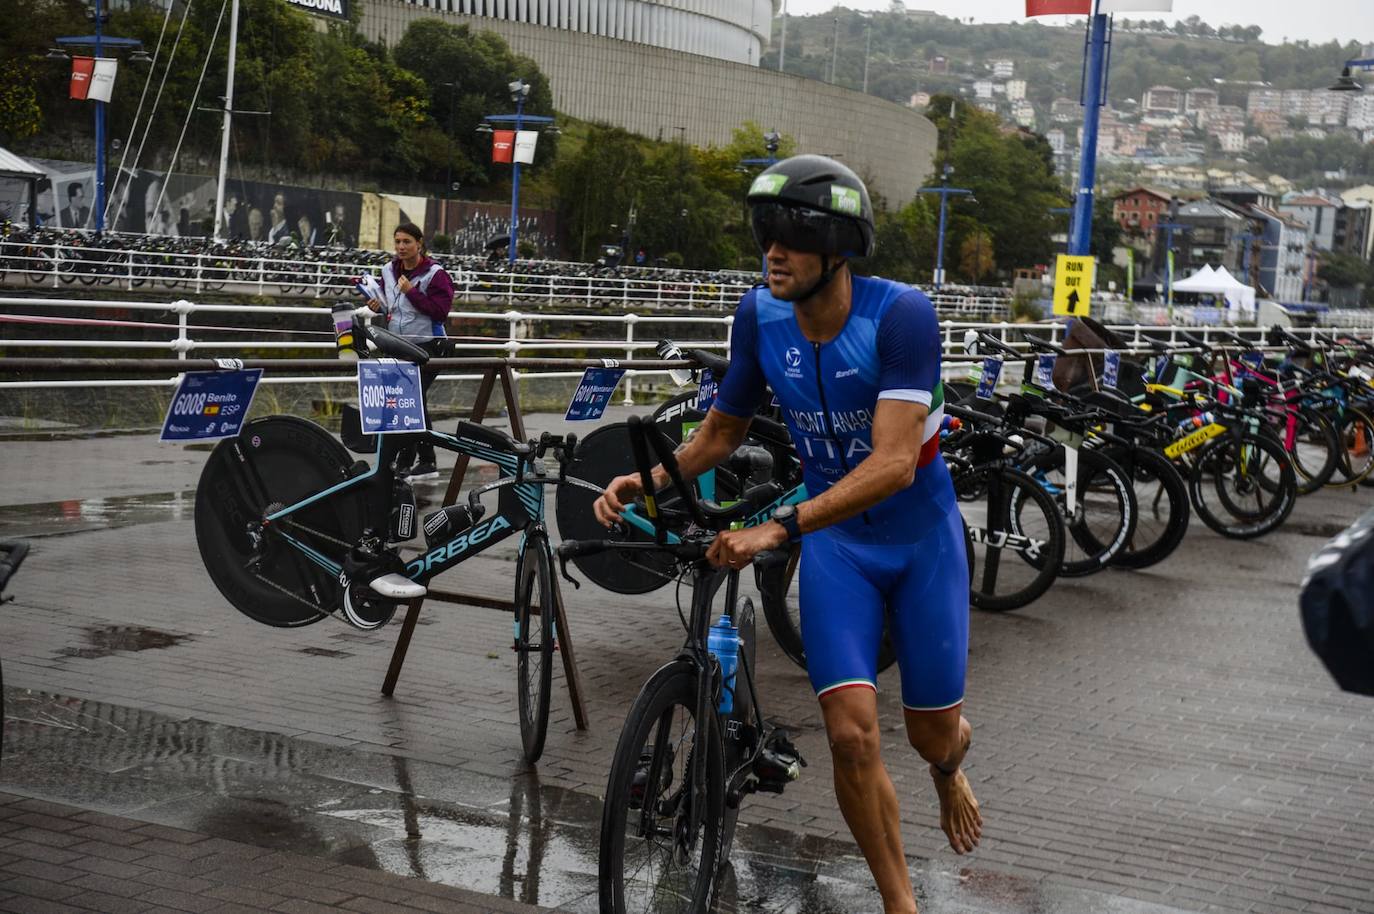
635, 518
515, 513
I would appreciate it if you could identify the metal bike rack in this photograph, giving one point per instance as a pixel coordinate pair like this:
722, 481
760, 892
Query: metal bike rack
493, 370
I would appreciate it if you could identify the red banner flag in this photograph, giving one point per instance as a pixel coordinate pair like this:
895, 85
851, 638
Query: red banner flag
1059, 7
82, 68
503, 146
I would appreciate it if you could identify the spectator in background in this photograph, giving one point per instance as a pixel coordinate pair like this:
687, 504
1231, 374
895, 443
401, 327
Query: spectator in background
257, 225
418, 295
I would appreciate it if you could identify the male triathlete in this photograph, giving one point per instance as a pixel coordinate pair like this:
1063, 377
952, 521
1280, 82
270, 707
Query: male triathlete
855, 363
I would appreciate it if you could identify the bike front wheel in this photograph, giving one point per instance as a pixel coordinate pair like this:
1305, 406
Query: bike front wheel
1243, 486
660, 834
534, 641
1017, 536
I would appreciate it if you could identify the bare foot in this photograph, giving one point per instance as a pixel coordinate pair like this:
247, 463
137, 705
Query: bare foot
959, 815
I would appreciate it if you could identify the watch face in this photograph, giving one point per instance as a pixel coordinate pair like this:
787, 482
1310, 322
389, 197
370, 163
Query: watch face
784, 512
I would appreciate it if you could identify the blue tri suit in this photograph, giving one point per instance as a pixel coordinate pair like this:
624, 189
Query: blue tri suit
900, 564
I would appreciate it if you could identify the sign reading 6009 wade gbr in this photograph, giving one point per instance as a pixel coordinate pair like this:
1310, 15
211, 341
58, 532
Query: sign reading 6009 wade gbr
335, 9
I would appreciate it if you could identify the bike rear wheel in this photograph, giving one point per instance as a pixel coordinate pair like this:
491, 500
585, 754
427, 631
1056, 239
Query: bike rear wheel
602, 456
275, 462
1355, 432
534, 642
1243, 486
651, 860
775, 576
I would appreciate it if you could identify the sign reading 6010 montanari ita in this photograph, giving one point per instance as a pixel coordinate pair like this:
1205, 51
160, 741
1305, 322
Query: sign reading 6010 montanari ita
335, 9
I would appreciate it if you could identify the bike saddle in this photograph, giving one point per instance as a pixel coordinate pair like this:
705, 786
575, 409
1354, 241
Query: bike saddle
718, 364
389, 344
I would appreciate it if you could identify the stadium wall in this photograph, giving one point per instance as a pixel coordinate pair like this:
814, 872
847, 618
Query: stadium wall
653, 91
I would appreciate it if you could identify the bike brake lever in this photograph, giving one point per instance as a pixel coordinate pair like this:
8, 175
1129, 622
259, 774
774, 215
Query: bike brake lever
563, 570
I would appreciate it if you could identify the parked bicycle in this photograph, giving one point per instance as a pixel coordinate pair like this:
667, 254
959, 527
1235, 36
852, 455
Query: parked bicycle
293, 529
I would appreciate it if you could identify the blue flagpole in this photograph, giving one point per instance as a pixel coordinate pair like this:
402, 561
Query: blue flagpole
1094, 88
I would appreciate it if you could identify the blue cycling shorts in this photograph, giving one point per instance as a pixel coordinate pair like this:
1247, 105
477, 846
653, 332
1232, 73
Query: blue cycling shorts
850, 589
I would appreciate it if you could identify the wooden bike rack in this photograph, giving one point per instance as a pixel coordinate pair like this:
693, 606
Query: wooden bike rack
455, 484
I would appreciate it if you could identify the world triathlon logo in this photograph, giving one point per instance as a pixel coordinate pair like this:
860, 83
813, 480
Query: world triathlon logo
793, 359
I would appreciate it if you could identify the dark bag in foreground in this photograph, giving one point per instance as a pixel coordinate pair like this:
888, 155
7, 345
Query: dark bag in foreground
1337, 604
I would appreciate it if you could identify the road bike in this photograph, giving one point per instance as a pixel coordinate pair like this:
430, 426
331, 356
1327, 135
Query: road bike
695, 742
292, 529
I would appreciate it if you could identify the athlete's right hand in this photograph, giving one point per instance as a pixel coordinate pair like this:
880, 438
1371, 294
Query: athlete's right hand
619, 491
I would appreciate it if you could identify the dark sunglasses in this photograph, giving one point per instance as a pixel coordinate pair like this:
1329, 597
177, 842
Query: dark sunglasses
801, 228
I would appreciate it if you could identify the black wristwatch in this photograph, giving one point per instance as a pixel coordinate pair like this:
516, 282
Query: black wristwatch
787, 516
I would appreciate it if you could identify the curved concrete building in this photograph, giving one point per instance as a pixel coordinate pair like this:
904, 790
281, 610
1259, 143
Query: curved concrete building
734, 30
659, 66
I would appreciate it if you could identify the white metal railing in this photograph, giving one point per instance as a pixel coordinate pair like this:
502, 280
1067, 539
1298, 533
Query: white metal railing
509, 333
323, 273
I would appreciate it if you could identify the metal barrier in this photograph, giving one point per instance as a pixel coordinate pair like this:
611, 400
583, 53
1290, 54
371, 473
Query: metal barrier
512, 333
324, 274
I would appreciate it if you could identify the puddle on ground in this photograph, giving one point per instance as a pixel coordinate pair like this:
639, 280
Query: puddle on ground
104, 640
511, 837
80, 515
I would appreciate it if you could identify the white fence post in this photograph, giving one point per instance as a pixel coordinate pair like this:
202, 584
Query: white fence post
629, 355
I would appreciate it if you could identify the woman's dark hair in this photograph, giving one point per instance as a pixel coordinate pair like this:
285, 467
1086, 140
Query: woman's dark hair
411, 229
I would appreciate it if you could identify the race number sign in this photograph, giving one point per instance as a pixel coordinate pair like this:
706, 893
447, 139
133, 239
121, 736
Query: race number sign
1044, 370
389, 397
1111, 369
987, 381
707, 388
210, 404
593, 393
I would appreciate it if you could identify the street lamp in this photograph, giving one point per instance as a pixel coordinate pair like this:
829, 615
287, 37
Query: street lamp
945, 192
519, 92
1169, 228
98, 42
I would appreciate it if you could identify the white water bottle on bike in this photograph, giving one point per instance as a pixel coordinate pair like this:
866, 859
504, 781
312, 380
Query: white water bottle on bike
723, 642
667, 349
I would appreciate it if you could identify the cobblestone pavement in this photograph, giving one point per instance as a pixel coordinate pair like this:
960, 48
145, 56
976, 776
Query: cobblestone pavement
1164, 736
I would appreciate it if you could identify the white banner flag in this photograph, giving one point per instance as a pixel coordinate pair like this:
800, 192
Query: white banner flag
102, 79
1135, 6
525, 142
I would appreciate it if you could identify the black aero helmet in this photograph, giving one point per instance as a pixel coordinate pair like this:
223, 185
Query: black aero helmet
814, 204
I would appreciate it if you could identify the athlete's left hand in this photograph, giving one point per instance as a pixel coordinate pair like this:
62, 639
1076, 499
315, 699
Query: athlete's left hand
737, 548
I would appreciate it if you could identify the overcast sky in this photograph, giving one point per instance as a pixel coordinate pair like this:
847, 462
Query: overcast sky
1316, 20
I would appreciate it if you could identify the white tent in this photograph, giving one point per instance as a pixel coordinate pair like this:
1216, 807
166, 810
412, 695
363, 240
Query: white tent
1240, 298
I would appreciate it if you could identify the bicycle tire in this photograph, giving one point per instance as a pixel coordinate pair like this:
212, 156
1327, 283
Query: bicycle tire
275, 460
534, 640
1156, 482
774, 576
1221, 460
1356, 437
602, 456
671, 689
1316, 450
1045, 531
1105, 518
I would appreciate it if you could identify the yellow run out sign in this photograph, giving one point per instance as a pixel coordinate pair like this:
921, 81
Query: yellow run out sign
1073, 284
